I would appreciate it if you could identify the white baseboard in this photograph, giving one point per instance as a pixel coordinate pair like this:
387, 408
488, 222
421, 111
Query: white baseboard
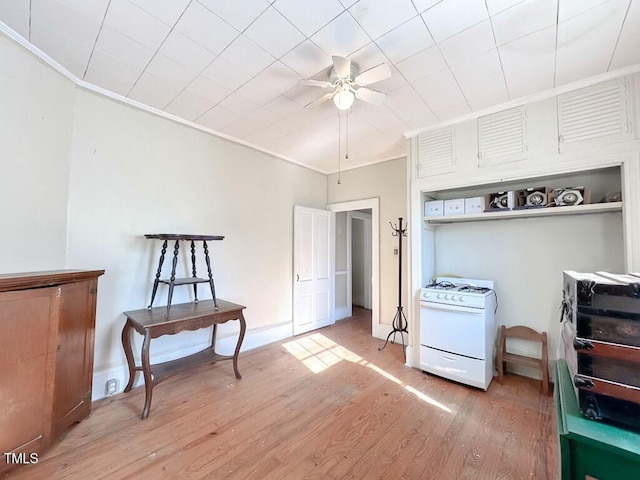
225, 346
343, 312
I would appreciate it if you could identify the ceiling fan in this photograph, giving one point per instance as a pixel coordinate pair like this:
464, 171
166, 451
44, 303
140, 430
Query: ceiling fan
347, 83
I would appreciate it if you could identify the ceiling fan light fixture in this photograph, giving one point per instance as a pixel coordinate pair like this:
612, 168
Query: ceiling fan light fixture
343, 98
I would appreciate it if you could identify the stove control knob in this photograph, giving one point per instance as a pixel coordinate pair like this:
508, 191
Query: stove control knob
446, 297
461, 298
438, 296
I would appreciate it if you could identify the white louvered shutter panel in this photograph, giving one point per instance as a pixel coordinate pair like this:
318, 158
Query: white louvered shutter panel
435, 153
502, 137
593, 115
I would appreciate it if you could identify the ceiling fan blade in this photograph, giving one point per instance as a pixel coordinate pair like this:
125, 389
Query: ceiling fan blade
320, 100
342, 66
370, 96
316, 83
374, 74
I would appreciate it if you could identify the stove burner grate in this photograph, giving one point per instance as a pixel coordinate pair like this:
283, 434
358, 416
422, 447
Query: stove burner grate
442, 285
473, 289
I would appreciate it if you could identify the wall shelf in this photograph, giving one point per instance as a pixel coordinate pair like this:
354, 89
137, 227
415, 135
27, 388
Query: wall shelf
539, 212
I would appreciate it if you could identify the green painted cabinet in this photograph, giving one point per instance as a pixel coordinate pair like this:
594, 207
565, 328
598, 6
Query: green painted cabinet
591, 450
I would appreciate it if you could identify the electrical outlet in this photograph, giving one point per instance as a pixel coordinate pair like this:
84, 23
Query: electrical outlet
395, 251
112, 386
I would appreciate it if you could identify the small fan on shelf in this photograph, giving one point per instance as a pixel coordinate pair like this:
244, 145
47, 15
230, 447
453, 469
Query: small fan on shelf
347, 83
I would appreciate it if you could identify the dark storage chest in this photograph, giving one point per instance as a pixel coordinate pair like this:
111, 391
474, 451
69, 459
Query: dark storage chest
601, 344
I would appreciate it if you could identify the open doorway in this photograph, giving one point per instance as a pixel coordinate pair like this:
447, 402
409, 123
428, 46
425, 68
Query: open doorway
360, 258
356, 283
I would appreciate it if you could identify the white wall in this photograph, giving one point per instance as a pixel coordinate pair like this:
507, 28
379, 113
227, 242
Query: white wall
343, 308
388, 182
84, 177
36, 114
135, 173
526, 257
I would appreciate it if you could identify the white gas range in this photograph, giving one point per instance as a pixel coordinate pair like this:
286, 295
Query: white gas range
457, 330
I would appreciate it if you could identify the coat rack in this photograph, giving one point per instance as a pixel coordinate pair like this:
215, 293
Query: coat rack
399, 321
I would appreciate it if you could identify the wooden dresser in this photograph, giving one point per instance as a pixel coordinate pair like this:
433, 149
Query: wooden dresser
47, 324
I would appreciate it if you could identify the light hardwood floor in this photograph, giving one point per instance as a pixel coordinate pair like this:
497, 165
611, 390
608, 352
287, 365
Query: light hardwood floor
325, 405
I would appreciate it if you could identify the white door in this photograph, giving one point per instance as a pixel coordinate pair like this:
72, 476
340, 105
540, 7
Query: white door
313, 265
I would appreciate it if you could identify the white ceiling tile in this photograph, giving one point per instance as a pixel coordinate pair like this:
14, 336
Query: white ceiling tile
405, 40
188, 105
309, 16
368, 57
283, 106
447, 18
453, 111
239, 16
274, 33
422, 64
417, 108
347, 3
170, 71
226, 74
481, 80
568, 9
257, 91
468, 43
586, 43
439, 90
377, 20
136, 24
66, 50
422, 5
186, 52
497, 6
486, 92
153, 91
123, 48
94, 10
81, 24
279, 77
168, 11
523, 19
218, 117
264, 137
395, 81
206, 88
342, 36
307, 59
238, 104
205, 28
529, 63
245, 55
261, 119
112, 73
402, 97
627, 51
15, 15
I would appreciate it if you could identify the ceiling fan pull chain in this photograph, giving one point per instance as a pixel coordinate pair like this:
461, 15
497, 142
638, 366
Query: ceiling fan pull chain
346, 140
339, 143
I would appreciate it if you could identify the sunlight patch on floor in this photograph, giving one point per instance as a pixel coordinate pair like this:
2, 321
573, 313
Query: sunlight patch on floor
318, 353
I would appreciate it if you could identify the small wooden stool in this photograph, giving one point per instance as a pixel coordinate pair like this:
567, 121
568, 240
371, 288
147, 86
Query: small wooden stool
523, 333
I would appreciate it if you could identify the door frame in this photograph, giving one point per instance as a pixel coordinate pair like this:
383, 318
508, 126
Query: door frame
374, 205
368, 228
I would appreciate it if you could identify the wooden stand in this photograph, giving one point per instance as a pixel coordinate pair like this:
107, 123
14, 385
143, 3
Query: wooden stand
523, 333
153, 323
193, 280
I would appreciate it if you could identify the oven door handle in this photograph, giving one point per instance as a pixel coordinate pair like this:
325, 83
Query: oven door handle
453, 308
